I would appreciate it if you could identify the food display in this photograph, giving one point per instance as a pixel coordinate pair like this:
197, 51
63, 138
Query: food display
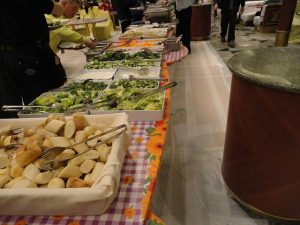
133, 84
96, 64
74, 94
83, 180
128, 100
22, 166
102, 74
121, 55
142, 32
146, 72
133, 43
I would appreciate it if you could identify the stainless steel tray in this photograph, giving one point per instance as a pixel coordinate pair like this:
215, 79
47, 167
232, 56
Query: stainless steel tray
146, 72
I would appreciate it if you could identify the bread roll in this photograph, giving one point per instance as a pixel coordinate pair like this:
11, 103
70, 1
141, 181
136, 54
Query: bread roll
81, 148
4, 179
15, 169
80, 136
67, 153
90, 130
44, 178
46, 133
56, 182
59, 142
88, 178
77, 161
96, 171
24, 183
46, 144
30, 132
26, 154
30, 172
70, 171
12, 182
74, 182
38, 138
93, 142
54, 117
70, 129
4, 162
80, 121
104, 152
7, 140
87, 166
93, 154
4, 171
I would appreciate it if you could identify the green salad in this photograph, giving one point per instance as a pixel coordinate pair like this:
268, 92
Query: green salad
89, 86
121, 55
128, 100
75, 94
96, 64
122, 59
144, 54
134, 84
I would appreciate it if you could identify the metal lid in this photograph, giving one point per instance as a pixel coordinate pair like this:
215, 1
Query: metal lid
276, 67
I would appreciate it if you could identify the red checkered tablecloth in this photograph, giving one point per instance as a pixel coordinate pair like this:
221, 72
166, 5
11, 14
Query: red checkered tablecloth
175, 56
126, 207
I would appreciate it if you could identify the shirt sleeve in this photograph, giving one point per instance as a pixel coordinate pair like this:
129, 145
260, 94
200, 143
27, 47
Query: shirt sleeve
69, 35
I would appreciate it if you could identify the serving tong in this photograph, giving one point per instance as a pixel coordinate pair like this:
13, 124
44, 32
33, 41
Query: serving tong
50, 163
11, 132
112, 103
17, 108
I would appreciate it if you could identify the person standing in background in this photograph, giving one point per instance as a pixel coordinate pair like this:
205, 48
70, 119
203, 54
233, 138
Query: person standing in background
28, 67
123, 11
70, 8
229, 10
184, 15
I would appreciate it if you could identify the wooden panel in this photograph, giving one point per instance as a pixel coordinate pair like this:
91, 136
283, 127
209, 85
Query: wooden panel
201, 21
261, 162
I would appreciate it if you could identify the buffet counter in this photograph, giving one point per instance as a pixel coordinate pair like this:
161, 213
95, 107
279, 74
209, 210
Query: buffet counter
140, 167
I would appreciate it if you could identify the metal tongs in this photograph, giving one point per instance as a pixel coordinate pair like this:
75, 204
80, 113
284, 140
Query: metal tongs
17, 108
179, 38
114, 102
11, 132
50, 163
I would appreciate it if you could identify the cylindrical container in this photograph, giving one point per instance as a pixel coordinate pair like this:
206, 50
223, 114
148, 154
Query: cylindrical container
261, 164
201, 22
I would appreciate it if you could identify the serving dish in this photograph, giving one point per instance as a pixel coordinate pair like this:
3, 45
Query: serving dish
137, 114
140, 32
146, 72
99, 74
75, 201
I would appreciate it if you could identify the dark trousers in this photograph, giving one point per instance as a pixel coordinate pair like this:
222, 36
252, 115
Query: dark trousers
184, 26
228, 18
26, 71
125, 24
